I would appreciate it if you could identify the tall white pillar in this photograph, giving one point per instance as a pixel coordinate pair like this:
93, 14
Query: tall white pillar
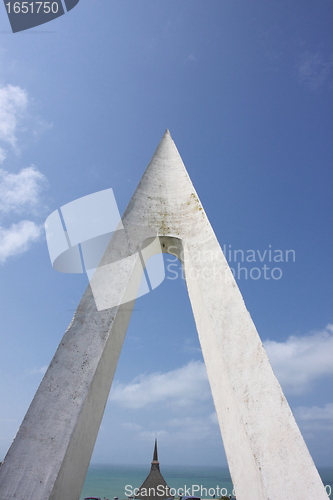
266, 453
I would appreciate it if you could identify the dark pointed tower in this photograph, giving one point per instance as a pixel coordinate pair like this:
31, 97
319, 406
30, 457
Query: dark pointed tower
154, 486
155, 463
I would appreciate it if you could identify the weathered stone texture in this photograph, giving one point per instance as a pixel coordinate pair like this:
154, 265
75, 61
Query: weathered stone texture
267, 456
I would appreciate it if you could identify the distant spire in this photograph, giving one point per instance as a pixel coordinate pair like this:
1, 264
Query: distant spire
155, 457
153, 482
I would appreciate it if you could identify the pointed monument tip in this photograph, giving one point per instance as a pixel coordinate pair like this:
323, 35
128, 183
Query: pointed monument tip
155, 457
166, 136
166, 155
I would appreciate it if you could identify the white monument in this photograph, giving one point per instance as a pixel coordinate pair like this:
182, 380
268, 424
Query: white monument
266, 453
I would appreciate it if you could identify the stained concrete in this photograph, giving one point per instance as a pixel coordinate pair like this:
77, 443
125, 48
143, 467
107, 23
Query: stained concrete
267, 456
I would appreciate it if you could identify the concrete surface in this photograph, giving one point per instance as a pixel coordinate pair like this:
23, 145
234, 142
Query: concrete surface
267, 456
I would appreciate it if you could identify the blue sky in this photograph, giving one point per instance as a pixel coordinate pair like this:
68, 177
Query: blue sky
246, 90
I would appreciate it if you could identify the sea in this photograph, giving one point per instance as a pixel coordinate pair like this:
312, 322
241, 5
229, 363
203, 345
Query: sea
109, 481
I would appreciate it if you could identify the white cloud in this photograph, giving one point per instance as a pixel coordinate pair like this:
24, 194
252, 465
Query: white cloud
38, 371
132, 426
300, 361
13, 105
184, 386
213, 418
315, 412
181, 428
191, 346
191, 428
21, 192
3, 154
18, 238
314, 69
315, 418
15, 118
150, 435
